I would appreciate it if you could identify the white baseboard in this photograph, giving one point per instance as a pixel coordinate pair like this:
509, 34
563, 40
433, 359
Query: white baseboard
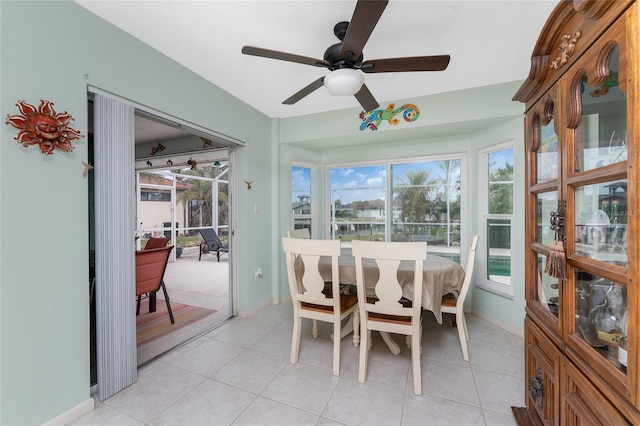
72, 414
508, 327
247, 314
274, 301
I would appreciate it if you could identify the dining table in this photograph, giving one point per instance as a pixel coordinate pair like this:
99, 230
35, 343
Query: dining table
440, 276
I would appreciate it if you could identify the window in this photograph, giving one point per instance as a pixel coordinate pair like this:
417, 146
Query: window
301, 197
399, 201
496, 205
426, 202
358, 202
155, 196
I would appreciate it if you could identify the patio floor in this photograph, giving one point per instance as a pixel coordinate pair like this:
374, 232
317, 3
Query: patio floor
203, 283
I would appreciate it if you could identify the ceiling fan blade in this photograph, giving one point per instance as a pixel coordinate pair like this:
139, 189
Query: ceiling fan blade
283, 56
304, 91
364, 19
415, 63
366, 99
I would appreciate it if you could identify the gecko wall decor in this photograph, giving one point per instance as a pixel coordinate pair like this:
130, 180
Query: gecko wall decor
373, 119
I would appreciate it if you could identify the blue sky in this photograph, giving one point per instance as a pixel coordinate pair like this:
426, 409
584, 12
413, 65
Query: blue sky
351, 184
498, 159
363, 183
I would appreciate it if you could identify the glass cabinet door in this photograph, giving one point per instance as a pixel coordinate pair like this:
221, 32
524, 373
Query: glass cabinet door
544, 196
597, 198
601, 136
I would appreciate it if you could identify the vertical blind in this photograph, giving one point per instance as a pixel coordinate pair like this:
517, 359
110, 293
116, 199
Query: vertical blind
115, 244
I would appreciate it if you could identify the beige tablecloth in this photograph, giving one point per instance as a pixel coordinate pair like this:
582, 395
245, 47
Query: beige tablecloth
440, 276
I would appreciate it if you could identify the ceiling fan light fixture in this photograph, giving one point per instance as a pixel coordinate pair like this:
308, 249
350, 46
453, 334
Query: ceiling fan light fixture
344, 82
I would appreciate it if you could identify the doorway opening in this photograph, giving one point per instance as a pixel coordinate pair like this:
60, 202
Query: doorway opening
185, 204
181, 161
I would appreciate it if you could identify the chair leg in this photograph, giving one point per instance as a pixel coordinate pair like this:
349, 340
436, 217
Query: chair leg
295, 338
364, 354
138, 308
166, 299
463, 338
464, 323
356, 327
218, 254
415, 362
200, 254
336, 348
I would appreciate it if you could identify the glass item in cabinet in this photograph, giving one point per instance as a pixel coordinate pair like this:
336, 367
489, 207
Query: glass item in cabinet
607, 317
546, 202
600, 217
547, 288
622, 350
601, 306
601, 135
618, 145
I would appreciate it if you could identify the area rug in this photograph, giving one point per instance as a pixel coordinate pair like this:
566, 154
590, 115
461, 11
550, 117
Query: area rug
154, 325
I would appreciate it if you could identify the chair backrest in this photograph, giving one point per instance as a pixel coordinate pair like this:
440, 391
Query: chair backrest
299, 233
211, 238
153, 243
303, 269
388, 290
468, 269
150, 267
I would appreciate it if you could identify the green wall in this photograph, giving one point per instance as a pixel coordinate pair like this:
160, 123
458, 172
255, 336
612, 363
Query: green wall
53, 50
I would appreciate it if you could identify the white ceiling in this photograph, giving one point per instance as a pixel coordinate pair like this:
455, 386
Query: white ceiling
490, 42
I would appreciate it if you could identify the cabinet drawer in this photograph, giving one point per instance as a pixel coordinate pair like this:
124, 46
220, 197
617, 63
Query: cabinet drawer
582, 403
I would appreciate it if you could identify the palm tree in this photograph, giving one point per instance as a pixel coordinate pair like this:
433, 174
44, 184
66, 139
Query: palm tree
200, 195
413, 196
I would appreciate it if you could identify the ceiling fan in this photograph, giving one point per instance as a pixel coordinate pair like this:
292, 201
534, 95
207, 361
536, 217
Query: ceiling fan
345, 59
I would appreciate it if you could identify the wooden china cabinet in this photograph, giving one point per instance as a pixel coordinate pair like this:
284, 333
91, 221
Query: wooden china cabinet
582, 330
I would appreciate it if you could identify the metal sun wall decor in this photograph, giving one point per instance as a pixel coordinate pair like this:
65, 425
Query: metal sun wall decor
43, 126
372, 119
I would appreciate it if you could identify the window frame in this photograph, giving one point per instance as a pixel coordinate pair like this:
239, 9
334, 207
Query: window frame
482, 281
313, 176
465, 227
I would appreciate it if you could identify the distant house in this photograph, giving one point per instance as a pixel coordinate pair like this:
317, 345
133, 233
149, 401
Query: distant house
302, 206
154, 211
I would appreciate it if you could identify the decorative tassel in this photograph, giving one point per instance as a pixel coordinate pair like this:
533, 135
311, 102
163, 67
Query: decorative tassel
556, 265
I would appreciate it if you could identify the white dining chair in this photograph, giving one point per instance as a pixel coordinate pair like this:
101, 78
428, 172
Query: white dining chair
309, 296
388, 311
306, 235
453, 303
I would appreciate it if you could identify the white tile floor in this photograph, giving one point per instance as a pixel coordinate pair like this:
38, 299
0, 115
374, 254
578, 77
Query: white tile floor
239, 374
